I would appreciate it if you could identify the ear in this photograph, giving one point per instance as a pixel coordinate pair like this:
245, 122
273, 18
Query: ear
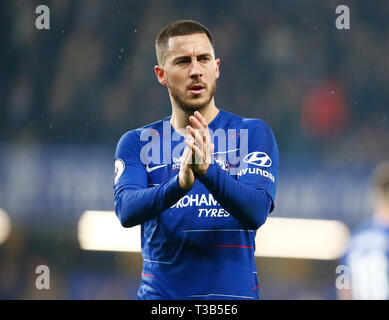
160, 75
217, 65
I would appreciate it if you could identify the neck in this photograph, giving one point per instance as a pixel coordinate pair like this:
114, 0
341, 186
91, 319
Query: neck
180, 118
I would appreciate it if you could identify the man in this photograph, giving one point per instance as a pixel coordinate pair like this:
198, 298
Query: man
207, 186
367, 255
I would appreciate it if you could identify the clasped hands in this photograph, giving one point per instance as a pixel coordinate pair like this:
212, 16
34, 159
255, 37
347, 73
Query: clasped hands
196, 158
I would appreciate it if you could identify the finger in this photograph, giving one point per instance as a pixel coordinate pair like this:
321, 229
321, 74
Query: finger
210, 146
191, 131
194, 148
187, 154
210, 150
195, 122
204, 124
201, 119
197, 154
197, 136
208, 136
207, 149
184, 155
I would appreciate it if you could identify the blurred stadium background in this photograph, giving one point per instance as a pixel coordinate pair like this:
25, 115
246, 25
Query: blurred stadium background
69, 93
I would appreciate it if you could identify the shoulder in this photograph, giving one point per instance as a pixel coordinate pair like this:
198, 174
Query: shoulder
252, 124
369, 236
131, 142
133, 136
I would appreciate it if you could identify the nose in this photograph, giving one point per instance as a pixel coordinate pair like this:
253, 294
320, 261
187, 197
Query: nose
195, 70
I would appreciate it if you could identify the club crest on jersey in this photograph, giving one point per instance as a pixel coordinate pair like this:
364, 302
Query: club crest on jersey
223, 163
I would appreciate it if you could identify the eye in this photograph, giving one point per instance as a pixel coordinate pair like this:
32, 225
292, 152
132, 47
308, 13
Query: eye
182, 61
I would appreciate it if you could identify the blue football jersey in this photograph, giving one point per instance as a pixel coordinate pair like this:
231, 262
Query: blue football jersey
196, 248
367, 259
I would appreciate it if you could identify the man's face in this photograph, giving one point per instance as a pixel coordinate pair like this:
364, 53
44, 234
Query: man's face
190, 71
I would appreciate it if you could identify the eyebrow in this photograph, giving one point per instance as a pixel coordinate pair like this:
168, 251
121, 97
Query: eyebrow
203, 55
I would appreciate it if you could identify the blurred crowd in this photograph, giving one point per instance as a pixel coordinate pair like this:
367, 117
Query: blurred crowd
90, 77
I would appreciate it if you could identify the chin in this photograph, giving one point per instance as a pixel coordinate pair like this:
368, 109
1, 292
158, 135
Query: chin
194, 104
190, 103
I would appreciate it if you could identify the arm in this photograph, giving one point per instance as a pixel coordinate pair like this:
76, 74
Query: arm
250, 198
244, 202
137, 205
134, 202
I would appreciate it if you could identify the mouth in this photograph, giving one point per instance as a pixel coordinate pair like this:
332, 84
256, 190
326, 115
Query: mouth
196, 89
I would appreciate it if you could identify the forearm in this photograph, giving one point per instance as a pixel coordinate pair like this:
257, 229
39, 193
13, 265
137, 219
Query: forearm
135, 206
244, 202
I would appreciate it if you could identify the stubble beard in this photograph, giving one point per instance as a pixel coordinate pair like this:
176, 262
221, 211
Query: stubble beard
188, 107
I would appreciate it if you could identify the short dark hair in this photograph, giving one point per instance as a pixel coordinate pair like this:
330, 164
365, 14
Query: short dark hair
381, 181
178, 28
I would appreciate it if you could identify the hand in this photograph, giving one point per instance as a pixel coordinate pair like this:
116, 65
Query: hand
200, 144
186, 178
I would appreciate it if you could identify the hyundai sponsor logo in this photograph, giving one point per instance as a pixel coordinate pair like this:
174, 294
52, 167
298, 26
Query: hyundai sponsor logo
260, 159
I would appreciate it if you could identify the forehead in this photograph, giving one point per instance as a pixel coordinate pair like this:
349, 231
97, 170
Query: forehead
193, 44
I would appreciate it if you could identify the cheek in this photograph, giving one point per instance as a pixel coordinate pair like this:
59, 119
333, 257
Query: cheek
212, 73
176, 80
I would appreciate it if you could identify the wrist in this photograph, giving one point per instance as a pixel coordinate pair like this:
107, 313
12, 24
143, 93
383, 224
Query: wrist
184, 185
211, 172
200, 173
